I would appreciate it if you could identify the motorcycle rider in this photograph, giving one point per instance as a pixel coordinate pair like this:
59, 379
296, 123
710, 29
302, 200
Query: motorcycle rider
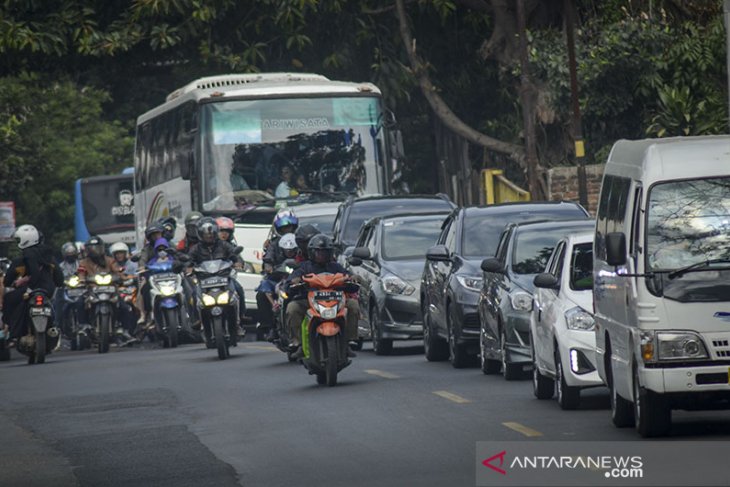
265, 298
35, 269
120, 253
302, 236
144, 305
191, 232
321, 259
69, 266
210, 247
285, 222
169, 225
226, 229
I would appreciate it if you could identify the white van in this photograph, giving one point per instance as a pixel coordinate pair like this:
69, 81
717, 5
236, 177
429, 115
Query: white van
661, 267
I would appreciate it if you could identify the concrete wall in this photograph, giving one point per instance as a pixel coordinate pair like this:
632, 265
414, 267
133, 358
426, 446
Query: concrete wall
563, 184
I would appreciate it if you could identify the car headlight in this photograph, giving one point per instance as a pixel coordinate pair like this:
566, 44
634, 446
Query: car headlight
579, 319
395, 285
680, 345
208, 300
167, 289
223, 297
470, 282
103, 279
521, 301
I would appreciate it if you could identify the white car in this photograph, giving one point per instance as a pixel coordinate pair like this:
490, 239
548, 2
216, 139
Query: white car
561, 324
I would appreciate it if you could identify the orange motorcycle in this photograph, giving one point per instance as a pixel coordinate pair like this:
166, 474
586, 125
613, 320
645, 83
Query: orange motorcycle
323, 339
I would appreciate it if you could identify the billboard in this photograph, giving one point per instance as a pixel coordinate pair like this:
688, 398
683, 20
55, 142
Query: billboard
7, 220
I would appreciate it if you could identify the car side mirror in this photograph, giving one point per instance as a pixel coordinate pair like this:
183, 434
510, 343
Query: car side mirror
616, 249
546, 281
492, 264
354, 261
438, 253
362, 253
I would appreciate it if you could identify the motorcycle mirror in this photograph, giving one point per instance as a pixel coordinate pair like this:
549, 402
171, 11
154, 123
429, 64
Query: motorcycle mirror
183, 257
238, 250
291, 263
134, 258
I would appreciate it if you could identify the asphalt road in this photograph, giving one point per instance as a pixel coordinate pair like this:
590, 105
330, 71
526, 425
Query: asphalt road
144, 416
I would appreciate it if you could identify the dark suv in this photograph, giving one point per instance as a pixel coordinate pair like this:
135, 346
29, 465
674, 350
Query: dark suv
452, 276
356, 211
388, 262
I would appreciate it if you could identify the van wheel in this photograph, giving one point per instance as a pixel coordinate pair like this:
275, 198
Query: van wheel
653, 414
622, 412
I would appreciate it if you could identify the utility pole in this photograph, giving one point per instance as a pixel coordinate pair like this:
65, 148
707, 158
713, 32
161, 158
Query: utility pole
727, 36
576, 123
528, 112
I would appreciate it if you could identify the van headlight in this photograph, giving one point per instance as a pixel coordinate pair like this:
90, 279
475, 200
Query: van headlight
395, 285
521, 301
681, 345
579, 319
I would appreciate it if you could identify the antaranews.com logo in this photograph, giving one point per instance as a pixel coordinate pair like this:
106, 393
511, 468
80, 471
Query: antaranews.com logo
616, 467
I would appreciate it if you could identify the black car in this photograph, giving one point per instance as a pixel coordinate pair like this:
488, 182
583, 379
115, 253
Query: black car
388, 262
452, 276
505, 300
356, 211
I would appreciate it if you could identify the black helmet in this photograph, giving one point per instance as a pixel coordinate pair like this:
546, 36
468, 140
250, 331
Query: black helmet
191, 222
169, 224
69, 250
95, 246
304, 234
320, 249
150, 231
207, 230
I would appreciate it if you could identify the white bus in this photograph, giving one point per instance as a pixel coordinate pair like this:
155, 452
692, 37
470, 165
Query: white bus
225, 145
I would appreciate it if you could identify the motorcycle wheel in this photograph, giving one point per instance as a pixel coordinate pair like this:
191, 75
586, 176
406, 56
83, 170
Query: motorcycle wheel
220, 338
332, 356
40, 348
171, 320
103, 322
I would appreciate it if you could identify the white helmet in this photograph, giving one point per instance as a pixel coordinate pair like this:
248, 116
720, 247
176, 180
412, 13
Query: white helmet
118, 247
288, 242
27, 236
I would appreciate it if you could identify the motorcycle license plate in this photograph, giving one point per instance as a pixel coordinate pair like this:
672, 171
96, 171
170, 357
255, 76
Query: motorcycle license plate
213, 282
40, 311
75, 293
105, 289
326, 295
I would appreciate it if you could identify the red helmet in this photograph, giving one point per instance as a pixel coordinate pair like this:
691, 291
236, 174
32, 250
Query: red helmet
225, 223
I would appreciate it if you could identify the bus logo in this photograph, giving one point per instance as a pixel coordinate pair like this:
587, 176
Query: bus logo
126, 204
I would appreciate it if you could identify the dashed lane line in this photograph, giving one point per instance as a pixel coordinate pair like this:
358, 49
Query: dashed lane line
380, 373
262, 347
521, 428
452, 397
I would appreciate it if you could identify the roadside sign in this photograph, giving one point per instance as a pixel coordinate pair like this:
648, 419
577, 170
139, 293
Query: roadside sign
7, 220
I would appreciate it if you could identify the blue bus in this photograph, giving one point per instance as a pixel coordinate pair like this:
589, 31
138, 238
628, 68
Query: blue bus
105, 207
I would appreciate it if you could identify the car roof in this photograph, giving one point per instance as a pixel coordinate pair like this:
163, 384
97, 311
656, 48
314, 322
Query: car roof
547, 224
408, 216
375, 199
313, 209
519, 207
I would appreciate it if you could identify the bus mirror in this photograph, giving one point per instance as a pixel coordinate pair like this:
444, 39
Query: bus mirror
186, 167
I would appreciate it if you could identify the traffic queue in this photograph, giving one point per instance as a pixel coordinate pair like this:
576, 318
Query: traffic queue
635, 299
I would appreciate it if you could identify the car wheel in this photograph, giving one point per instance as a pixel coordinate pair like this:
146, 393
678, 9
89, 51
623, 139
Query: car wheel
510, 371
568, 396
457, 353
543, 387
652, 414
381, 346
488, 366
434, 348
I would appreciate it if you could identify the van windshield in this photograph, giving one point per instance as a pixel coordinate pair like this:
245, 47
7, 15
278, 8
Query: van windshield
688, 222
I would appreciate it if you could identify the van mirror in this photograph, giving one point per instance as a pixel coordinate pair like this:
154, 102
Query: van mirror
492, 265
616, 249
354, 261
438, 253
546, 281
362, 253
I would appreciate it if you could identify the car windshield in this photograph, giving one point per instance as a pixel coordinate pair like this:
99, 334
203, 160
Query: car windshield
409, 239
360, 213
257, 150
533, 247
482, 229
688, 222
323, 223
581, 267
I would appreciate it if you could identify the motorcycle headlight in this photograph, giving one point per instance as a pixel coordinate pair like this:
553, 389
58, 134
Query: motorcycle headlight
395, 285
167, 289
327, 312
73, 281
223, 297
521, 301
208, 300
103, 279
579, 319
470, 282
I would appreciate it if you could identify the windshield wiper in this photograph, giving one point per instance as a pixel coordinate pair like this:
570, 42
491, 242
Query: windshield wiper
696, 266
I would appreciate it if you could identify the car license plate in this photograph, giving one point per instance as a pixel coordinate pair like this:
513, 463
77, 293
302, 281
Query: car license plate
214, 282
105, 289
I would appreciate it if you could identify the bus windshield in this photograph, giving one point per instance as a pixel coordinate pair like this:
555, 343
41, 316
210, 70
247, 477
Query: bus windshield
257, 150
105, 207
